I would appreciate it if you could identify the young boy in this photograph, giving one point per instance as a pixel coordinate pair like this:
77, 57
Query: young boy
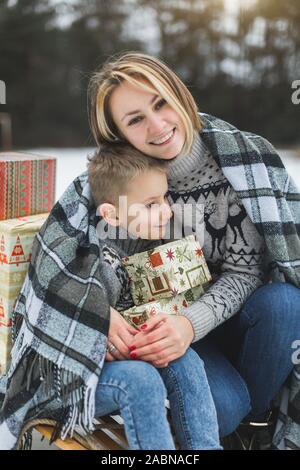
130, 192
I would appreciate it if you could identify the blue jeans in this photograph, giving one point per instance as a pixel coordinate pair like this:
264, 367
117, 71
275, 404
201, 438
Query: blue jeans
248, 358
138, 390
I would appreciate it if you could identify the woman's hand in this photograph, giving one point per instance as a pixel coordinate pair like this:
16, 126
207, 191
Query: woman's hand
162, 339
120, 335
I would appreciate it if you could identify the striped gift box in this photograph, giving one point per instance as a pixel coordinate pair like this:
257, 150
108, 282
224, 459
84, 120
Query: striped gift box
27, 184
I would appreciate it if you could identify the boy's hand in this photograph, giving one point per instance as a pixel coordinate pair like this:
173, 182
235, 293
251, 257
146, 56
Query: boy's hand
162, 339
120, 335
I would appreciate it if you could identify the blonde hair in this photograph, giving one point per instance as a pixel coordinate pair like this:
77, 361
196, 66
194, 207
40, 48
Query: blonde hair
136, 68
113, 166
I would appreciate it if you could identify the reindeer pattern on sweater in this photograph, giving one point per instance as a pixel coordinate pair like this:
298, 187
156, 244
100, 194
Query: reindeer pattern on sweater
232, 246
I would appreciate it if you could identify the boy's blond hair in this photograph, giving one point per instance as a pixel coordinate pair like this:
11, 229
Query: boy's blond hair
148, 73
113, 166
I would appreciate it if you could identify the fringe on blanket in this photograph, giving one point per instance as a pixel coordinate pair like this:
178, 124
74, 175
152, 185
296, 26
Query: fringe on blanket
77, 398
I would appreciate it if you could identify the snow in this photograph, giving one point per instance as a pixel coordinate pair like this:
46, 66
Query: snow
291, 161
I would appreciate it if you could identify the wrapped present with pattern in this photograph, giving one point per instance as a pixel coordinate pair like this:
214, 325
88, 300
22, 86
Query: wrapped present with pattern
16, 239
27, 184
167, 270
5, 347
166, 279
136, 316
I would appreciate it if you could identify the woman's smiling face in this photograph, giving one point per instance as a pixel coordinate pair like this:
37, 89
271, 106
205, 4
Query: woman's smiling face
147, 121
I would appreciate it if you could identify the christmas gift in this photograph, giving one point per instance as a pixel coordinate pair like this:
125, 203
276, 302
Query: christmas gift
27, 184
166, 279
16, 238
167, 270
136, 316
5, 347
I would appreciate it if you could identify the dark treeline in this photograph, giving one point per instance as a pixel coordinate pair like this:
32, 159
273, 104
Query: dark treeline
239, 67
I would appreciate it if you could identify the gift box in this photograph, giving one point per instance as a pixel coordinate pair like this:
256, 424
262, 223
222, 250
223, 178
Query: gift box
138, 315
16, 239
27, 184
167, 270
5, 347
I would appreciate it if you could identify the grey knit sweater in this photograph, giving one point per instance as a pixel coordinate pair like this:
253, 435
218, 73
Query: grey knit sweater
231, 244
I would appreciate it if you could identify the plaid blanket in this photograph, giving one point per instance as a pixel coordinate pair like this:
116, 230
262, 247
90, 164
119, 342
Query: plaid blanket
271, 198
61, 318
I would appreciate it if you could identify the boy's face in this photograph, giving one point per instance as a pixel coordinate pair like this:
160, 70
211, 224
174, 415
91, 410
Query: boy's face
144, 211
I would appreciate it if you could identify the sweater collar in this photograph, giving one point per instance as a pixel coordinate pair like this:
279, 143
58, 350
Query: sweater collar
185, 164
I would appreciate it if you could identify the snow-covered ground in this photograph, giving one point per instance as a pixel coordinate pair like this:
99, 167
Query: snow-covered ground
72, 162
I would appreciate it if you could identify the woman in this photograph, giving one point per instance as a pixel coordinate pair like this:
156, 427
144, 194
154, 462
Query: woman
243, 328
136, 98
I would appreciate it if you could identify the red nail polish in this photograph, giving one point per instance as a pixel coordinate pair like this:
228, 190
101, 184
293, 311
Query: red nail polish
143, 327
133, 355
132, 348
